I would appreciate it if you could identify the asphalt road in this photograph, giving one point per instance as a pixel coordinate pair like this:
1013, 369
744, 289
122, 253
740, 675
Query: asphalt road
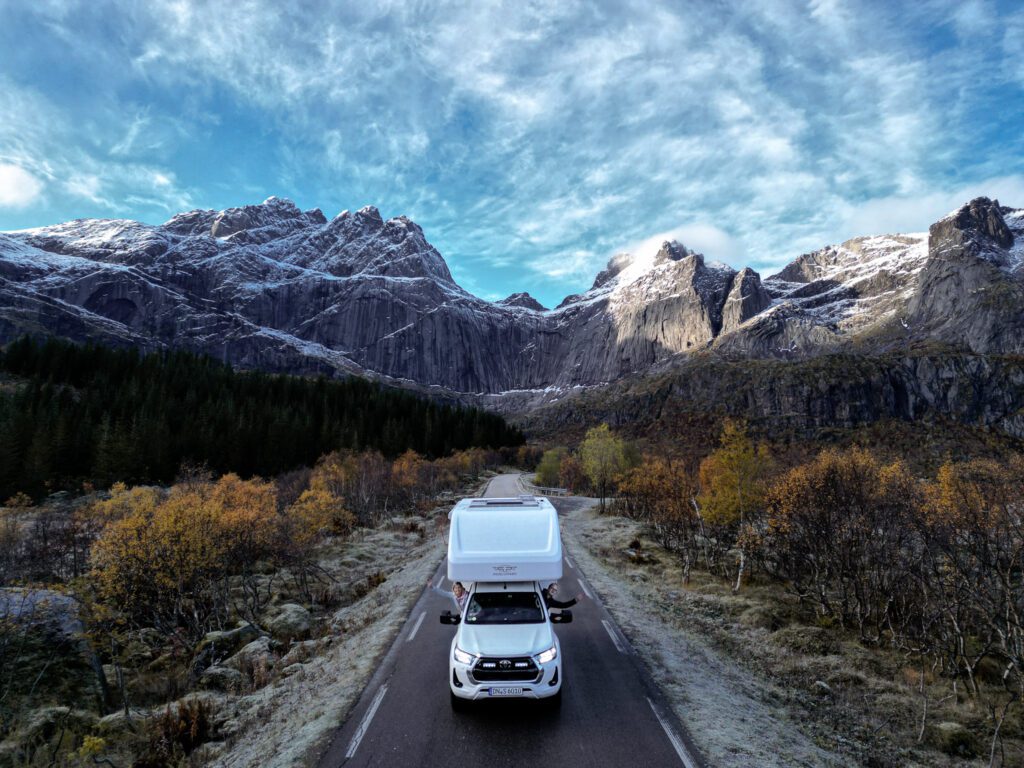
612, 713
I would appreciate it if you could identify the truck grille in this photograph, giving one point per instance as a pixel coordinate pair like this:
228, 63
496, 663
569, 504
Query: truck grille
501, 670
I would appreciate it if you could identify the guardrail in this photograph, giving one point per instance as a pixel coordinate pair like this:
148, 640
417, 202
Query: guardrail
539, 490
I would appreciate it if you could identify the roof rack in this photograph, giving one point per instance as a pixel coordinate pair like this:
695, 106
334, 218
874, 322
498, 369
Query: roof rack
519, 501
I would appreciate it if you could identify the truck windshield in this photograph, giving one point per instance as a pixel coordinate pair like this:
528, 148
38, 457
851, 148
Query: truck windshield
505, 608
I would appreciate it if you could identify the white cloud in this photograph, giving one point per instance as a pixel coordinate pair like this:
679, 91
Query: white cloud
18, 187
707, 239
46, 145
89, 187
916, 212
576, 264
547, 133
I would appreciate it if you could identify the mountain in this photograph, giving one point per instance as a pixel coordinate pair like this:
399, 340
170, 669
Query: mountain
270, 286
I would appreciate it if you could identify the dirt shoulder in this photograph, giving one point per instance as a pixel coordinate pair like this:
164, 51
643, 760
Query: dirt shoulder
286, 722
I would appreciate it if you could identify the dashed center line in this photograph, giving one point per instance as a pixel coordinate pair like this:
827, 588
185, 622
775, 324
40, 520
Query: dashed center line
583, 586
569, 563
416, 627
611, 633
674, 739
365, 724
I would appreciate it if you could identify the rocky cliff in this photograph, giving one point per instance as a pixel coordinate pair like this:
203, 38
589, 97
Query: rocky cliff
274, 287
802, 398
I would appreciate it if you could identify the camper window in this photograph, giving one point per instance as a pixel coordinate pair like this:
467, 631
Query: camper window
505, 608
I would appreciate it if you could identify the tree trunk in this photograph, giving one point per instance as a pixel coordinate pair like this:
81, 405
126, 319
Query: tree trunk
739, 571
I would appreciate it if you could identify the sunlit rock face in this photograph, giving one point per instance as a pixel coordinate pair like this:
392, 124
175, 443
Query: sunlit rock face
271, 286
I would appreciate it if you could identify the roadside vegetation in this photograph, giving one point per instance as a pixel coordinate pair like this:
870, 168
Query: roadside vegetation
912, 586
148, 625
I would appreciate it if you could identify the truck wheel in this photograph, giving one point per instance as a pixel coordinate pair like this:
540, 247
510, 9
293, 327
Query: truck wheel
458, 704
555, 702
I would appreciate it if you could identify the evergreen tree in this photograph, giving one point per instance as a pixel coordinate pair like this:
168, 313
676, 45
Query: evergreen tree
74, 414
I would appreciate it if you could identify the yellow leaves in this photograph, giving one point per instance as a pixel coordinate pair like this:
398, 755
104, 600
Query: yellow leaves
316, 513
550, 465
603, 456
122, 502
157, 550
974, 493
408, 470
91, 746
246, 512
840, 489
732, 478
658, 489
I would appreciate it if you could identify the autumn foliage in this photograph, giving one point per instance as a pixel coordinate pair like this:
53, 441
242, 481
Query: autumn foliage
194, 557
931, 567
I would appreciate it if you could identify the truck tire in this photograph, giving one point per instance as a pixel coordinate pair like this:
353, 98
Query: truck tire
555, 702
458, 704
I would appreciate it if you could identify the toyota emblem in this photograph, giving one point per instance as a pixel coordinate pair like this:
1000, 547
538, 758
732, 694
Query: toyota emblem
505, 664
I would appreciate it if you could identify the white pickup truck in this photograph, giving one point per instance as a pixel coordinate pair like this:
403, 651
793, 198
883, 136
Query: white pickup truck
505, 551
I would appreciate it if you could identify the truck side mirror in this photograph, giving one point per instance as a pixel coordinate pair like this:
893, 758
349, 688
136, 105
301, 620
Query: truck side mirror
565, 617
450, 618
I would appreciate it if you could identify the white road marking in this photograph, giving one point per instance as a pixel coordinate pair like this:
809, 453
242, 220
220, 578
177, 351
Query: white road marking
583, 586
416, 627
365, 724
677, 743
569, 563
615, 638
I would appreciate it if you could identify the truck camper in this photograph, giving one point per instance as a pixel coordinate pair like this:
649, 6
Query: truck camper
503, 551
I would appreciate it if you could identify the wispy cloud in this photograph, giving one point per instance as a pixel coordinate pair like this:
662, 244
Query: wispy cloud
531, 140
72, 161
18, 187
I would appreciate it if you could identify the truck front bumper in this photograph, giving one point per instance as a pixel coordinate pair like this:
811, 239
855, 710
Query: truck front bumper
465, 686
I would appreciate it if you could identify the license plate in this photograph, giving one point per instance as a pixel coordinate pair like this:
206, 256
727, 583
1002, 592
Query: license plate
506, 691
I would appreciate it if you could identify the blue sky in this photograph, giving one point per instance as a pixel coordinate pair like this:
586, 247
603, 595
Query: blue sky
531, 140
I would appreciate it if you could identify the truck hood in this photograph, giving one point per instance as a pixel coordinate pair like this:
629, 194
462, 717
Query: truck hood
505, 639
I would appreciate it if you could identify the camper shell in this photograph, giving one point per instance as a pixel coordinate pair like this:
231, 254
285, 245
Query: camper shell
514, 539
503, 551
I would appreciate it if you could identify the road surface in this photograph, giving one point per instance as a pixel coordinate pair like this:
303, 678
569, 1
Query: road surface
612, 714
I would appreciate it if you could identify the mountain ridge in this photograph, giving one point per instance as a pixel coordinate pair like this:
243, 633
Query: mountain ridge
270, 286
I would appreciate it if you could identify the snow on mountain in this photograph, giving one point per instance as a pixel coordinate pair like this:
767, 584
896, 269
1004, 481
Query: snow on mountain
272, 286
864, 281
1015, 222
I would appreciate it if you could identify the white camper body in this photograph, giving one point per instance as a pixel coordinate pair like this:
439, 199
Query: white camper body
504, 551
504, 540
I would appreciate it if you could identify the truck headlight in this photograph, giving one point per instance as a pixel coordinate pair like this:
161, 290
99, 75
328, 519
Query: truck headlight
549, 655
462, 657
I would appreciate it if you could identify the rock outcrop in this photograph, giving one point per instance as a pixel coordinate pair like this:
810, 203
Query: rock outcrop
271, 286
971, 290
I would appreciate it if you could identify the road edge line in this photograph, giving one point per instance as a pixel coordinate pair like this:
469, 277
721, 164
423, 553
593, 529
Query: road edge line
357, 737
673, 737
611, 633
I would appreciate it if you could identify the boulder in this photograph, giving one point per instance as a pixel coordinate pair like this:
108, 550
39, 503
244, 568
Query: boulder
221, 678
217, 646
305, 650
118, 722
45, 722
252, 655
290, 622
